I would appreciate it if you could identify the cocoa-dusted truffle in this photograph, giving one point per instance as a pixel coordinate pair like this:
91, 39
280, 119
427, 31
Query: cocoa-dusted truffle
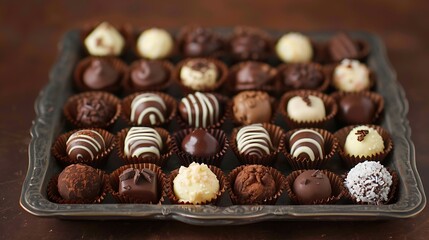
200, 42
303, 76
85, 145
254, 184
249, 44
79, 182
200, 109
148, 73
200, 143
254, 140
356, 109
252, 107
341, 46
307, 143
143, 142
140, 184
148, 109
199, 74
100, 74
311, 186
93, 111
254, 75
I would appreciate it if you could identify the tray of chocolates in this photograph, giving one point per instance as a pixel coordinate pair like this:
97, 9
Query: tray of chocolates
217, 126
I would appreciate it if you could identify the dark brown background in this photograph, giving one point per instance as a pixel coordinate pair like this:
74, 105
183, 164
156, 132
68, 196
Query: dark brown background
29, 32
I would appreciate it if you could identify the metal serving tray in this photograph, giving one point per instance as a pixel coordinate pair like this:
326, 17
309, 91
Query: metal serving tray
49, 123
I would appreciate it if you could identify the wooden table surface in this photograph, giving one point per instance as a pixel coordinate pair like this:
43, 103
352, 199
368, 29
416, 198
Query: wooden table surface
30, 31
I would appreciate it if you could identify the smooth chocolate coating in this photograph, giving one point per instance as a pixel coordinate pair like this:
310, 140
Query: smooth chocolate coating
252, 107
93, 111
85, 145
311, 186
100, 74
201, 42
148, 73
79, 182
200, 143
249, 44
139, 184
254, 183
356, 109
342, 47
303, 76
253, 75
308, 144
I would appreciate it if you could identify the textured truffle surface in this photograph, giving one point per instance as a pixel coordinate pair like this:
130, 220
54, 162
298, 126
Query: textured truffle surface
363, 141
104, 40
254, 183
199, 73
93, 111
252, 107
201, 42
351, 76
79, 182
303, 76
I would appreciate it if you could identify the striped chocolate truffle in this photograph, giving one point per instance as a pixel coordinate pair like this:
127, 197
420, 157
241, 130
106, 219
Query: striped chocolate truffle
200, 109
254, 140
307, 143
143, 142
84, 145
148, 109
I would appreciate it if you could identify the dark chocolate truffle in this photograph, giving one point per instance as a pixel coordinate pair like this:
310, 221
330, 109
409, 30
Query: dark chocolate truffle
79, 182
200, 109
85, 145
148, 109
143, 142
342, 47
148, 73
93, 111
308, 144
252, 107
201, 42
140, 184
311, 186
254, 140
254, 184
200, 143
356, 109
249, 44
100, 74
303, 76
253, 75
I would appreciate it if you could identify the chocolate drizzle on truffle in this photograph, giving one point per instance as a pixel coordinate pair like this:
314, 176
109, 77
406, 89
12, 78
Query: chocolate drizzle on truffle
306, 99
361, 134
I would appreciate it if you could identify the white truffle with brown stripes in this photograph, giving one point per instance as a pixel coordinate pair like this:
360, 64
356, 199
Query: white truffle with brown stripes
143, 142
200, 109
148, 109
254, 140
307, 143
85, 145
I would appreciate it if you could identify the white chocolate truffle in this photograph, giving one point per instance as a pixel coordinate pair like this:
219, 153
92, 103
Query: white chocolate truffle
195, 184
294, 48
363, 141
351, 76
155, 43
199, 74
306, 108
104, 40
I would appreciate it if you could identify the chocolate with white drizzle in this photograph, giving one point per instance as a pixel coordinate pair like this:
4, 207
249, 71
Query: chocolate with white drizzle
254, 140
84, 145
307, 143
143, 142
148, 109
200, 109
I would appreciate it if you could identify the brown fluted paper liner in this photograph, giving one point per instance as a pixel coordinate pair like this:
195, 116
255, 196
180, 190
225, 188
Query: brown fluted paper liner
121, 198
321, 88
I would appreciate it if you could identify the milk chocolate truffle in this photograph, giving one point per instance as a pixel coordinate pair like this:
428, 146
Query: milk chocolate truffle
254, 183
306, 108
148, 109
79, 182
311, 186
199, 73
100, 74
140, 184
93, 110
307, 143
104, 40
249, 44
195, 184
356, 109
294, 48
143, 142
351, 76
369, 182
253, 75
252, 107
201, 42
200, 109
303, 76
148, 73
341, 46
85, 145
200, 143
155, 43
363, 141
254, 140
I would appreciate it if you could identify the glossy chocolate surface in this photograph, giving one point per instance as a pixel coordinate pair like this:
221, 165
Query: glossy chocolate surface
200, 143
140, 184
311, 186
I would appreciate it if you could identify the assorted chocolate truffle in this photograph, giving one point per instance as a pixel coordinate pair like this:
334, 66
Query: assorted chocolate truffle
303, 76
85, 145
351, 76
93, 111
341, 46
249, 44
100, 74
80, 182
200, 42
307, 144
254, 184
253, 75
363, 141
200, 109
311, 186
143, 142
252, 107
104, 40
369, 182
140, 184
199, 74
148, 109
195, 184
356, 109
200, 143
254, 140
155, 43
294, 48
306, 108
144, 74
